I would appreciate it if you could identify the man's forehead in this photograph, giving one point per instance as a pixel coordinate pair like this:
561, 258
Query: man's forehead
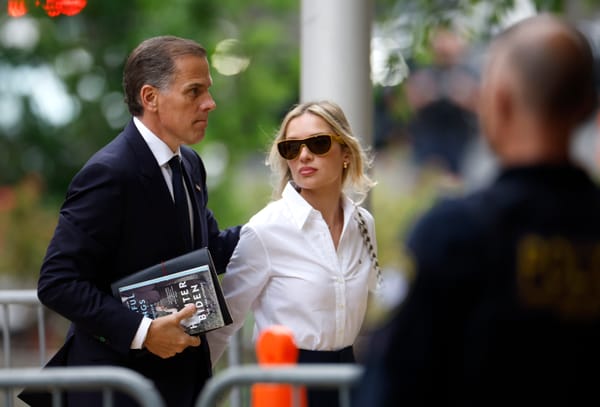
193, 68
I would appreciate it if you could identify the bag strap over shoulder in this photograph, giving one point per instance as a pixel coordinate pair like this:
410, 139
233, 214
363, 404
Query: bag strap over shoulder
362, 227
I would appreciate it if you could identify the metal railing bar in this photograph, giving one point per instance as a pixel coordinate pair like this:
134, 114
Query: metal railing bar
6, 335
23, 297
313, 375
41, 334
84, 378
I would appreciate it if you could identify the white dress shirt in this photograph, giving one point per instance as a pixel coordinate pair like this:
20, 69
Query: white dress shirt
286, 270
163, 154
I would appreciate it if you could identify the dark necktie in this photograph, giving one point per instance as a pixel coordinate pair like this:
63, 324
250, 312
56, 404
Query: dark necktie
181, 202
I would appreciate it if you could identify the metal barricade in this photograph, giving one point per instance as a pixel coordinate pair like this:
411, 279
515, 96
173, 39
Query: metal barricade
106, 379
342, 376
21, 297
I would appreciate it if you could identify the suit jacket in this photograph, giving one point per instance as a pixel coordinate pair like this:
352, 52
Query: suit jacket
119, 217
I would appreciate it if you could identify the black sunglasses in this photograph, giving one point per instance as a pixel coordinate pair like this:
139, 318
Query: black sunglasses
318, 144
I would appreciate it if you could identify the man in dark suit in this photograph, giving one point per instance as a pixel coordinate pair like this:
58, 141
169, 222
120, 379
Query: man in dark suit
505, 305
119, 217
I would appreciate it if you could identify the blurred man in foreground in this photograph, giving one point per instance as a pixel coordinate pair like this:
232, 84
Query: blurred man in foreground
505, 305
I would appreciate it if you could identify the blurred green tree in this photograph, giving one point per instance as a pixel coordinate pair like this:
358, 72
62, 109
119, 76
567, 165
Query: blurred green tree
76, 63
61, 96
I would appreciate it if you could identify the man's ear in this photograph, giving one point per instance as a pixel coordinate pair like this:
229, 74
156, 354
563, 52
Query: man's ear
505, 103
149, 98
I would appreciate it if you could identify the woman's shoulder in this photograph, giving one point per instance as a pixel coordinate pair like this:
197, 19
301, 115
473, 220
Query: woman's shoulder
272, 213
267, 226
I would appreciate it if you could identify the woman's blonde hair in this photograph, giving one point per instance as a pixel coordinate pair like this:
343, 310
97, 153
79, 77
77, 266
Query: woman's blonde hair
355, 181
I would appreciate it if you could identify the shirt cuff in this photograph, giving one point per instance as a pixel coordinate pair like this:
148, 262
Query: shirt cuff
140, 335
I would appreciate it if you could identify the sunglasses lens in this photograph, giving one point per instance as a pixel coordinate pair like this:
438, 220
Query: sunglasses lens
319, 144
289, 149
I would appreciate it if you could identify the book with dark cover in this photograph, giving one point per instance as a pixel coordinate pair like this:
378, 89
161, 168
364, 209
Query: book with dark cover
169, 286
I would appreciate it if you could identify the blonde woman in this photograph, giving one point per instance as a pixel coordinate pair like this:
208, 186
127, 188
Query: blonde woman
302, 261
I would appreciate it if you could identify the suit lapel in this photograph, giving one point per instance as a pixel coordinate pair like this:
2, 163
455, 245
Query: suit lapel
150, 174
154, 189
152, 179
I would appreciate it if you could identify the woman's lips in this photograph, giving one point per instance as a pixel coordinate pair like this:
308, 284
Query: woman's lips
305, 171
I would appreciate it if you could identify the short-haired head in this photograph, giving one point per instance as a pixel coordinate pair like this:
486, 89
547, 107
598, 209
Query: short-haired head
553, 66
152, 62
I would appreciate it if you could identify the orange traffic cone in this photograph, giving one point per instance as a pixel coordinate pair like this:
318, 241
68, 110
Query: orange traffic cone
276, 346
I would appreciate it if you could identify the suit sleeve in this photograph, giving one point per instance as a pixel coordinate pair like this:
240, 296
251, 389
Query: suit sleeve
221, 242
76, 272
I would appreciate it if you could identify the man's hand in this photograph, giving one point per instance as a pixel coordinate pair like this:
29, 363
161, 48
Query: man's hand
166, 337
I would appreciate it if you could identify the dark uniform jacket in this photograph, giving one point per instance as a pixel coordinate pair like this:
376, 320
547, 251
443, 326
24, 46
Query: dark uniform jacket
505, 305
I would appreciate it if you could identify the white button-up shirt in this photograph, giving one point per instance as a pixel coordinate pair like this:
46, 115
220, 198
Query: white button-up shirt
286, 269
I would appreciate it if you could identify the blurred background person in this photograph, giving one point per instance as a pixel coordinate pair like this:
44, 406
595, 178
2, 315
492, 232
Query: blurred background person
505, 305
443, 98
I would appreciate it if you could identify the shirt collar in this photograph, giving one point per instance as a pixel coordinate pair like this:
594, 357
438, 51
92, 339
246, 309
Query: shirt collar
301, 210
160, 150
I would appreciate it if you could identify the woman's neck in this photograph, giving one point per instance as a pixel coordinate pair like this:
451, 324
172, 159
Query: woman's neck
328, 203
330, 206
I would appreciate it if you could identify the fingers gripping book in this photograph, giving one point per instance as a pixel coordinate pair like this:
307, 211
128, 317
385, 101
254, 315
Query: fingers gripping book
169, 286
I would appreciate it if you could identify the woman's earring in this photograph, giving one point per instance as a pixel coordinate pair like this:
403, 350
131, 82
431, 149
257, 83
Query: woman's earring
345, 164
